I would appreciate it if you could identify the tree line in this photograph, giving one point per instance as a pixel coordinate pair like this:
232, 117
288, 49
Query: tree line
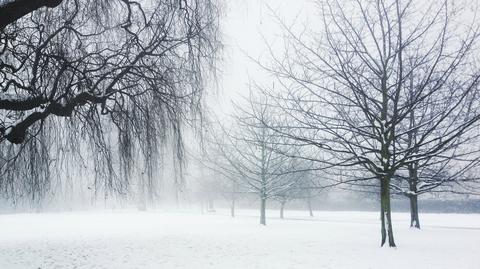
381, 96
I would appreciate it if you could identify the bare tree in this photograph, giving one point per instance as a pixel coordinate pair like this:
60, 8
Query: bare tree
134, 68
308, 190
303, 187
251, 154
446, 174
345, 90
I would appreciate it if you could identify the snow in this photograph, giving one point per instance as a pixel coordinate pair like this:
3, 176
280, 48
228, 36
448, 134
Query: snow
160, 239
409, 192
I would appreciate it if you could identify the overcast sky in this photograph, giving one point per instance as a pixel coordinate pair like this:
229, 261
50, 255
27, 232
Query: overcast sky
246, 27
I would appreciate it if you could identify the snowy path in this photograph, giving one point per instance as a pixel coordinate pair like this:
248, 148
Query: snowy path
120, 240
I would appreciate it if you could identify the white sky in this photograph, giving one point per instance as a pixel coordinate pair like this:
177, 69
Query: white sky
246, 25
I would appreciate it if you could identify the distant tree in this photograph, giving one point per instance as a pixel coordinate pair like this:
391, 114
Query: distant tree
252, 155
303, 188
308, 189
232, 193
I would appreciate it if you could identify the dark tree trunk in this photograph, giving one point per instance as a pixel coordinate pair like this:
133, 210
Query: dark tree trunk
310, 210
282, 207
263, 204
413, 196
414, 220
386, 216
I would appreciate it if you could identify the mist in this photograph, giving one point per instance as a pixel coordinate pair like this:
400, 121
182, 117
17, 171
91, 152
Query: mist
239, 134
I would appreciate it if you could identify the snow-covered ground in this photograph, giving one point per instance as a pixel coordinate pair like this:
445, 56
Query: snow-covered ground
159, 239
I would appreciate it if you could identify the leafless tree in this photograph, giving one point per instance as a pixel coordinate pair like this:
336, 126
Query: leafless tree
303, 186
349, 89
307, 189
99, 72
451, 174
252, 155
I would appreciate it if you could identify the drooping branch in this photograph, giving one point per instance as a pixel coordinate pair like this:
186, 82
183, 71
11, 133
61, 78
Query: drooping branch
11, 11
76, 76
16, 133
18, 104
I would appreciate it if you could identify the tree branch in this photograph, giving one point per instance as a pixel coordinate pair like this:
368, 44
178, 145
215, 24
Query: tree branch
12, 11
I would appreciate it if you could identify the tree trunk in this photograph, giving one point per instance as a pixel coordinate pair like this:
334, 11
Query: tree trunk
386, 216
211, 207
310, 210
232, 208
413, 196
282, 206
414, 220
263, 204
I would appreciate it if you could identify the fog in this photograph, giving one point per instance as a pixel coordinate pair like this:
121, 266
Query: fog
239, 134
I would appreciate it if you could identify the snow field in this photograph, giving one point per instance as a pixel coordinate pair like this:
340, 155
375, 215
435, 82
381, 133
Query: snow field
156, 239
